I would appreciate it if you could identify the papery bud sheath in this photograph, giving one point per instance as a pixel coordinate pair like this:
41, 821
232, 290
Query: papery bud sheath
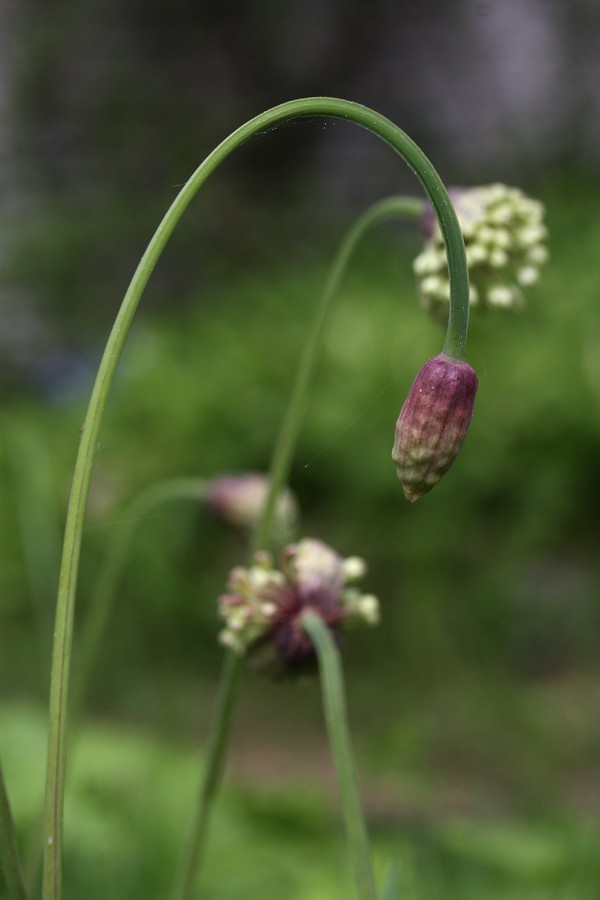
433, 423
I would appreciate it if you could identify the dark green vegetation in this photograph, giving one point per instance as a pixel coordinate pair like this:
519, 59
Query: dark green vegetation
475, 706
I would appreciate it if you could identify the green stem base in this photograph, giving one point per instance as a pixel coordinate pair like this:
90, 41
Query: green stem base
336, 719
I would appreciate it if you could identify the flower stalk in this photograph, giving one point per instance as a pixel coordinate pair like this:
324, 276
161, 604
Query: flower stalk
336, 719
287, 437
379, 212
185, 886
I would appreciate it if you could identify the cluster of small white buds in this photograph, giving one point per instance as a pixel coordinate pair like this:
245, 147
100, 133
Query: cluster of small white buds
264, 605
505, 242
249, 606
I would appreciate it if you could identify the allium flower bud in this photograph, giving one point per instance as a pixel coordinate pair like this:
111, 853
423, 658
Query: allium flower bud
433, 423
264, 606
505, 243
240, 500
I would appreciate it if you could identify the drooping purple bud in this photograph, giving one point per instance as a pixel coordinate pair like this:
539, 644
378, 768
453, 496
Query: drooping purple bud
433, 423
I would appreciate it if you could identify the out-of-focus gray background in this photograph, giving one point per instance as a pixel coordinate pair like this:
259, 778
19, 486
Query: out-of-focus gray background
107, 106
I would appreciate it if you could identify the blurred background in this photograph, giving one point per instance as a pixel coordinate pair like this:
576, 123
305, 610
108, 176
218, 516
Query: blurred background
476, 705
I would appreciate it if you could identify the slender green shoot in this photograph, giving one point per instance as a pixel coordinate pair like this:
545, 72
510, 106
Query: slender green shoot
390, 208
403, 207
216, 752
336, 719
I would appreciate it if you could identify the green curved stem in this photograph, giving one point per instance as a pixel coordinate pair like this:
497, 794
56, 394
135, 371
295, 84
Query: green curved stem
336, 719
390, 208
9, 853
65, 609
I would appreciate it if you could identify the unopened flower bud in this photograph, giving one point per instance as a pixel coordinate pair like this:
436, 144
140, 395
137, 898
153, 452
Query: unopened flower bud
433, 423
240, 499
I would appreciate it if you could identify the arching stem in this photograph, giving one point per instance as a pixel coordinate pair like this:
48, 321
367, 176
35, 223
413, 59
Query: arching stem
63, 632
382, 211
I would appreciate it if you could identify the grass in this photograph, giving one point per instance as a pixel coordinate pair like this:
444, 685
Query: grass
130, 791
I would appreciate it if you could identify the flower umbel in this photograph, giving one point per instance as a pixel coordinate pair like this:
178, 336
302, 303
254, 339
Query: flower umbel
433, 423
263, 608
505, 242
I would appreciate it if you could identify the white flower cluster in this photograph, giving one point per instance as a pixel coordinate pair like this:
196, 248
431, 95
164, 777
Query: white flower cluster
262, 599
505, 241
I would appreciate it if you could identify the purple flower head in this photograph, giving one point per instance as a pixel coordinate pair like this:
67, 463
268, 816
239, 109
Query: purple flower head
264, 607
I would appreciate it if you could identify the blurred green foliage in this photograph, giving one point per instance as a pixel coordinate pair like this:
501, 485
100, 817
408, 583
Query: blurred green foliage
129, 796
496, 567
484, 668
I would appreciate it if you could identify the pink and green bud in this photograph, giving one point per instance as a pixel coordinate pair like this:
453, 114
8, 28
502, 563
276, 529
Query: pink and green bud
240, 500
433, 423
